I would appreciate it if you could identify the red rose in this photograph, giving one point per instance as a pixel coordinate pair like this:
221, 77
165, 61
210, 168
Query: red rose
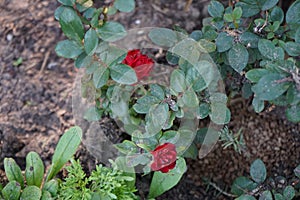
141, 64
164, 157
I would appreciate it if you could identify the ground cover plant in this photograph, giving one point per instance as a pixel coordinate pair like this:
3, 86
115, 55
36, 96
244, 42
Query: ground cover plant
254, 43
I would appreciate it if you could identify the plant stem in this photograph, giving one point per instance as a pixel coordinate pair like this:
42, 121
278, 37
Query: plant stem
220, 189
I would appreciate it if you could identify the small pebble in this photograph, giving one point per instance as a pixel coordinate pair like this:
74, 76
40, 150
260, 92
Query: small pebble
137, 21
9, 37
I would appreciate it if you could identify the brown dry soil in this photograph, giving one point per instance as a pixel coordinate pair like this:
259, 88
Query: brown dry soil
35, 99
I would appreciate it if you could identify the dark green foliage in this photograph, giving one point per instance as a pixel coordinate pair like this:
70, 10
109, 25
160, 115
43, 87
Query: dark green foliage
34, 173
258, 186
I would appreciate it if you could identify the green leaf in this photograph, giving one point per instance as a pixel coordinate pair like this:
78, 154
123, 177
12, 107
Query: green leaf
119, 101
100, 76
206, 70
46, 196
207, 45
196, 35
203, 110
187, 133
12, 191
111, 55
137, 159
90, 69
228, 17
246, 90
254, 55
169, 137
218, 97
172, 58
65, 149
162, 182
245, 197
215, 9
293, 14
156, 118
266, 195
238, 57
258, 171
191, 152
111, 31
292, 48
71, 24
237, 13
194, 79
258, 104
126, 147
254, 75
83, 5
289, 192
83, 60
124, 5
188, 49
144, 103
58, 12
163, 37
209, 32
219, 114
129, 172
268, 4
297, 171
171, 118
241, 185
177, 81
297, 36
67, 2
270, 87
190, 99
280, 101
268, 50
123, 74
90, 41
34, 172
293, 96
224, 42
68, 49
249, 10
249, 39
278, 196
293, 113
92, 114
31, 193
52, 187
157, 91
13, 171
277, 14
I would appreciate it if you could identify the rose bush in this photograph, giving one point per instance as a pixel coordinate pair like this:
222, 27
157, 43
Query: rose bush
162, 120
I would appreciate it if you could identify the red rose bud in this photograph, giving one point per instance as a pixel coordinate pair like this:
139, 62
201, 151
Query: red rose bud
141, 64
164, 157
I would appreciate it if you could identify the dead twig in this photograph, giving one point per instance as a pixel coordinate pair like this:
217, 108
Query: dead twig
187, 5
220, 189
44, 63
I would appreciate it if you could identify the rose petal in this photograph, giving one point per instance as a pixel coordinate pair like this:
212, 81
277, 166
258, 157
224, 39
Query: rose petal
143, 70
168, 168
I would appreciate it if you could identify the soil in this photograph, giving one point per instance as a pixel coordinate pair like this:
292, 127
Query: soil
36, 99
